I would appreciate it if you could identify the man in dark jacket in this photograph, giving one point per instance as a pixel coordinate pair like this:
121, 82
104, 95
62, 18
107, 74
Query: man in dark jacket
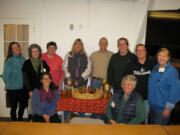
118, 64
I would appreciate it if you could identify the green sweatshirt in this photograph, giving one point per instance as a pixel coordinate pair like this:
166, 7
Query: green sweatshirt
139, 116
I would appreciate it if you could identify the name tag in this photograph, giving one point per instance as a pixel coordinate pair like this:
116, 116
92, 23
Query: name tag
113, 104
161, 69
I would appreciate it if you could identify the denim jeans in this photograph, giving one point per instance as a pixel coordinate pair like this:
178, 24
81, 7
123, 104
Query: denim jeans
96, 83
66, 113
157, 118
147, 108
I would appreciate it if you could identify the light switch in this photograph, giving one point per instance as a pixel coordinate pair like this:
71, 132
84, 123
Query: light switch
71, 27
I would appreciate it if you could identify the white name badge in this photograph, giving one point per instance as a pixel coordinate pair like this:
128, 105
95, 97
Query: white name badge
113, 104
161, 69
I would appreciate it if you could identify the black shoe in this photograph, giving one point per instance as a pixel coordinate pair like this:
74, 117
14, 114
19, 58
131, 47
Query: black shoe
29, 117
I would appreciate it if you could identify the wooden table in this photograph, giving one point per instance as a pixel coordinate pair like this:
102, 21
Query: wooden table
172, 130
29, 128
3, 126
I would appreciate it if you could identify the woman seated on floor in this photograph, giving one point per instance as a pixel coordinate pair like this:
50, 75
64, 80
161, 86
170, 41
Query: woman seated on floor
44, 101
126, 106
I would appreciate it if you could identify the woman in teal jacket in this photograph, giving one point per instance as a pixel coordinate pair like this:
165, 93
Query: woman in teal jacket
163, 89
13, 79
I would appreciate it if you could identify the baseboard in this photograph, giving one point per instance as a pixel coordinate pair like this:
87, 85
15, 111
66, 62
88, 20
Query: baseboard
8, 119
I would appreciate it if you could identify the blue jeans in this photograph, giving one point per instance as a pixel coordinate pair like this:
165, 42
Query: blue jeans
66, 113
147, 108
96, 83
157, 118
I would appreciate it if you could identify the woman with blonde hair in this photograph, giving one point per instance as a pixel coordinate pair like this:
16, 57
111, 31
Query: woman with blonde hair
163, 89
77, 66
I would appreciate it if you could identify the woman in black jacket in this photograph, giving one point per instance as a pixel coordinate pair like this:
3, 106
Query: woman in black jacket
32, 70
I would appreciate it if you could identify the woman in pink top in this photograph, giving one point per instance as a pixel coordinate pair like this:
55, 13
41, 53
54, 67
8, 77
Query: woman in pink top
54, 61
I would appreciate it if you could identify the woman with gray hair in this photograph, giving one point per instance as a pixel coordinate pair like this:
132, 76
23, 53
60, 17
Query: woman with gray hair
32, 70
126, 106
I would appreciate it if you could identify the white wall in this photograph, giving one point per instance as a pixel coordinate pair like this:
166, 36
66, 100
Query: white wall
92, 19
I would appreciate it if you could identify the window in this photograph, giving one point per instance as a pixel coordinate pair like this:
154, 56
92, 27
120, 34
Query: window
18, 33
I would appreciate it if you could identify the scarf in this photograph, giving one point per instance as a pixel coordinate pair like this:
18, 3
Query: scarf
45, 96
36, 63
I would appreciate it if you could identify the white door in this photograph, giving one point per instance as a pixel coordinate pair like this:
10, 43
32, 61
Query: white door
4, 112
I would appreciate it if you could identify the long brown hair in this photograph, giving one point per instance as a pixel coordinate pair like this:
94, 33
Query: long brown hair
52, 85
10, 53
82, 52
125, 39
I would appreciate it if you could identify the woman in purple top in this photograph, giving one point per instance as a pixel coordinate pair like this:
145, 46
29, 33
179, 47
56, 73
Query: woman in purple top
44, 101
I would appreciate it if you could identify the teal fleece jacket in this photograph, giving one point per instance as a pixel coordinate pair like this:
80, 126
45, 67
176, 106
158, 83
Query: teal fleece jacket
12, 73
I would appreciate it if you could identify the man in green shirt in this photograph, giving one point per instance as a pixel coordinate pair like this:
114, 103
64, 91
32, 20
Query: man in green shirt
126, 106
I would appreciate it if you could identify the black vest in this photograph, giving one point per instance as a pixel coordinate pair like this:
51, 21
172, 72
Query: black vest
80, 62
129, 110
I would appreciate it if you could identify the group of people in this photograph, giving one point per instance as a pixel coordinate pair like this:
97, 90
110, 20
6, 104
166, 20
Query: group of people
141, 86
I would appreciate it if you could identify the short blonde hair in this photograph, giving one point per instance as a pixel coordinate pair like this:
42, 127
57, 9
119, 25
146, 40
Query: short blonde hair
102, 39
164, 50
130, 78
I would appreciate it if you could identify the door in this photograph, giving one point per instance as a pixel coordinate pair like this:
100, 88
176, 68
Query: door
15, 29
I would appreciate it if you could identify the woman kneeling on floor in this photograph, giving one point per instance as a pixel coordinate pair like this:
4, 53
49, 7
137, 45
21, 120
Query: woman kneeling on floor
44, 101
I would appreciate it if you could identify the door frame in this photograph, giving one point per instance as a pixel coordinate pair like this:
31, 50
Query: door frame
4, 112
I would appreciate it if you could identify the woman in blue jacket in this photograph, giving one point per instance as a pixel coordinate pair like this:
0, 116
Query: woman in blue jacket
44, 101
163, 89
13, 79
